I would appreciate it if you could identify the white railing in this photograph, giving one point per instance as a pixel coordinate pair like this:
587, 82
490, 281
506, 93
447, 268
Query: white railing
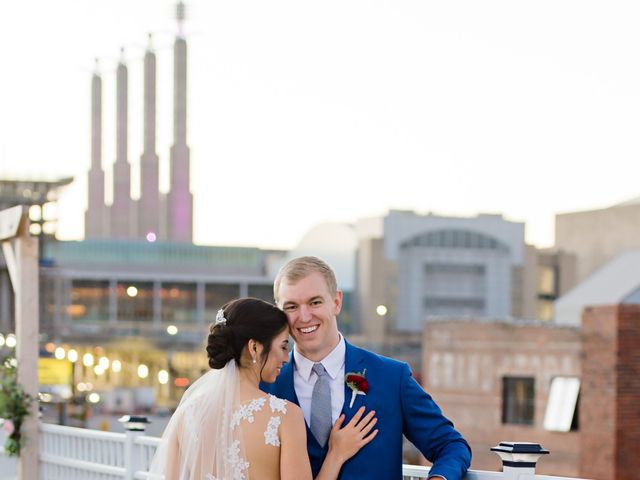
69, 453
145, 448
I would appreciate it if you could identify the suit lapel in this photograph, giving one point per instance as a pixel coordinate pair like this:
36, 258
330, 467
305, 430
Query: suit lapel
353, 362
288, 391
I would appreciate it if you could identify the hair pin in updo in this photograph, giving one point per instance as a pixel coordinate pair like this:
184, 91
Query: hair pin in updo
220, 320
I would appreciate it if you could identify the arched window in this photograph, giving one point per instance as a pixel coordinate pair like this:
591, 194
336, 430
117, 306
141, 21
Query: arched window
455, 238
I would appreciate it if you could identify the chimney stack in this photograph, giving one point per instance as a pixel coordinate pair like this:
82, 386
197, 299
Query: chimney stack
180, 199
121, 209
149, 203
95, 220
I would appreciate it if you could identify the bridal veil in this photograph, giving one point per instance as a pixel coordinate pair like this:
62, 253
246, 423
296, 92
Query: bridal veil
200, 443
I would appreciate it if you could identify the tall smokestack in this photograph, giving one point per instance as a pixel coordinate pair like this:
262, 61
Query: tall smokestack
95, 219
149, 204
180, 199
121, 211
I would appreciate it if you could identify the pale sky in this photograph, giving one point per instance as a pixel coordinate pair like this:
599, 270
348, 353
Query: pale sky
302, 112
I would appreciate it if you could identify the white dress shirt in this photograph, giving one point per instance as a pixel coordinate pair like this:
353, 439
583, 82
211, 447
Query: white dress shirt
304, 379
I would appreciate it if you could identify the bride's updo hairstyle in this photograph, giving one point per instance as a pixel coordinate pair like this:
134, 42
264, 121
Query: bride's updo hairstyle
246, 319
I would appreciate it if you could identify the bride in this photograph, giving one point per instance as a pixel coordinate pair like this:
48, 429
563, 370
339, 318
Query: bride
226, 428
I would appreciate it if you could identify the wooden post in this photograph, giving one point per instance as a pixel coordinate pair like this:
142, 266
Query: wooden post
21, 255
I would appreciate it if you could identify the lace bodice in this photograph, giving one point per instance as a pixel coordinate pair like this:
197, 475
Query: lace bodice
246, 412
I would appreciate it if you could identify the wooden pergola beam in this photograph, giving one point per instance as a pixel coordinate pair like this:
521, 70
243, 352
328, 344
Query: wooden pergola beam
21, 255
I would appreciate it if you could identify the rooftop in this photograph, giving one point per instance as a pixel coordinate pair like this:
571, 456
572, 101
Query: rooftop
614, 283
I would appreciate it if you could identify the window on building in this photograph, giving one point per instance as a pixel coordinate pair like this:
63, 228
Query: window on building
518, 400
263, 292
454, 268
562, 408
452, 238
547, 291
179, 302
50, 311
89, 300
439, 304
545, 310
454, 289
547, 281
135, 301
216, 295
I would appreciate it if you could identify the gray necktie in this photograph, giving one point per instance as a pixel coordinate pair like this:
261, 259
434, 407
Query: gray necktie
321, 405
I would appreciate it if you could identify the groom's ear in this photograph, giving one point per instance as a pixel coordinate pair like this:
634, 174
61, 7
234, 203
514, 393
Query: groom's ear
337, 302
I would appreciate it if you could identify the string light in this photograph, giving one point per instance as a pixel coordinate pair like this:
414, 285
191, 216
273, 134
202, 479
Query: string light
116, 366
143, 371
72, 356
163, 377
87, 360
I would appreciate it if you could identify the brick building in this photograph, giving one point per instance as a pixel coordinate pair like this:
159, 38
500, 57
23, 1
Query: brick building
575, 390
610, 395
493, 379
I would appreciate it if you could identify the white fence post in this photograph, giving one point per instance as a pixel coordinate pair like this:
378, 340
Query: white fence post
135, 426
519, 459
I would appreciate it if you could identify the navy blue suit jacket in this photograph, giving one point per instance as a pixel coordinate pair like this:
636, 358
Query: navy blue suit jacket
402, 408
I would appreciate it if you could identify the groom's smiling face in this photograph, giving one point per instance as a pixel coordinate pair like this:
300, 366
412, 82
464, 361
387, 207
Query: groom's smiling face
311, 310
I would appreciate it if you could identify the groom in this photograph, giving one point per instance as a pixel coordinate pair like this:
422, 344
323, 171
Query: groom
327, 376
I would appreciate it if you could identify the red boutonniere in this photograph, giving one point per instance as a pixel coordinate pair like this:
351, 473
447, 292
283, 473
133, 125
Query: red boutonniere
358, 384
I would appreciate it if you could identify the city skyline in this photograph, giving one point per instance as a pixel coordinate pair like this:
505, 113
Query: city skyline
341, 111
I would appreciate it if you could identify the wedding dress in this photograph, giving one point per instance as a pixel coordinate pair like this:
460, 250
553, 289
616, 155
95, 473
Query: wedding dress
204, 439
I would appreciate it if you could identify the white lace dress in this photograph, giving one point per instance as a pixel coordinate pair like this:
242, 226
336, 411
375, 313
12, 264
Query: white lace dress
253, 418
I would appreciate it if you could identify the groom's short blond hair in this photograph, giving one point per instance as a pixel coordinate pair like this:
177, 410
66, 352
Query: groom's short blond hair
301, 267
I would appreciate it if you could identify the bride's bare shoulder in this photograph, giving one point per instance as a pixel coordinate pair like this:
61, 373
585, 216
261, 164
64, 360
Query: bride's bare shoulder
294, 418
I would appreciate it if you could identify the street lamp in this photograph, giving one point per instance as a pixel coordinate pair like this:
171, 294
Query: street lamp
381, 311
172, 330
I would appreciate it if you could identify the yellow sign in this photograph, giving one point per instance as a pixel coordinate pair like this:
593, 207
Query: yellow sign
52, 371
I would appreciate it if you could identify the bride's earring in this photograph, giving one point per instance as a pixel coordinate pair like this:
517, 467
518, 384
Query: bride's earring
254, 359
